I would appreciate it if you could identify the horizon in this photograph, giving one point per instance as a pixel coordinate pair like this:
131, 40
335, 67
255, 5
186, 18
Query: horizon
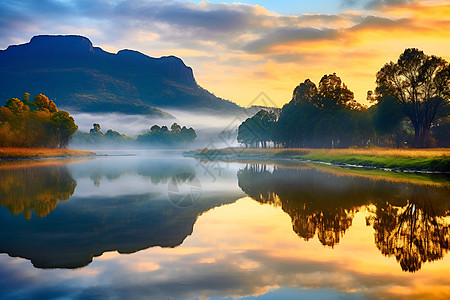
238, 50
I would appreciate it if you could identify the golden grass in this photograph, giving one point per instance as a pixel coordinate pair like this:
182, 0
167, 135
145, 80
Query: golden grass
27, 153
389, 152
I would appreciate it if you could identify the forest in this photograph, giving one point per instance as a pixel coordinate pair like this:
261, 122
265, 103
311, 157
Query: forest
411, 108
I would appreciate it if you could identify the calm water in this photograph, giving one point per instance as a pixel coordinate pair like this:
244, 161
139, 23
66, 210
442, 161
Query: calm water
160, 226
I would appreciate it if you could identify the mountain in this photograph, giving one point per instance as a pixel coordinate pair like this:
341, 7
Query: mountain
80, 77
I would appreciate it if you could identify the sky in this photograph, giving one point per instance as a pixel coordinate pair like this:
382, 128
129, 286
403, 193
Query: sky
240, 49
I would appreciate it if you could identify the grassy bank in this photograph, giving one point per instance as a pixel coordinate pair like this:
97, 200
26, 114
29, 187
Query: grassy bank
35, 153
397, 159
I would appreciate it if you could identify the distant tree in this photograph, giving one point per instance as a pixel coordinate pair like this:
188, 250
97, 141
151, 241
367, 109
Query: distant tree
188, 134
96, 130
163, 137
421, 85
175, 128
155, 129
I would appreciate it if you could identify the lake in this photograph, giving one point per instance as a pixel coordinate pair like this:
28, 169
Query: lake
156, 225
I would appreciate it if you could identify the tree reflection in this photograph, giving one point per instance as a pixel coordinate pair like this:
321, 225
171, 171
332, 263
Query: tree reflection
316, 204
36, 189
414, 233
408, 220
158, 171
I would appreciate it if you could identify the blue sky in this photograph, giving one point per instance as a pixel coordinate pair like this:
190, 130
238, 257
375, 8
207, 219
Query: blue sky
295, 7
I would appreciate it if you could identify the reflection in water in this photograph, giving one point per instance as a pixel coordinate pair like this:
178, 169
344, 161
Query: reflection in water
316, 204
97, 218
159, 170
408, 219
415, 233
36, 189
240, 250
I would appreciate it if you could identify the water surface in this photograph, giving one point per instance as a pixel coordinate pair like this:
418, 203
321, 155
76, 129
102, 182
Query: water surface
157, 225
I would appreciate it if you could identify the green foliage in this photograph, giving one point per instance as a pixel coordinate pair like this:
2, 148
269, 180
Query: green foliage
421, 86
96, 137
324, 117
162, 136
257, 130
35, 124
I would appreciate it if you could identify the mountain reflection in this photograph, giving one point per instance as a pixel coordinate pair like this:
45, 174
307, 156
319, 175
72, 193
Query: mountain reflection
408, 219
112, 216
36, 189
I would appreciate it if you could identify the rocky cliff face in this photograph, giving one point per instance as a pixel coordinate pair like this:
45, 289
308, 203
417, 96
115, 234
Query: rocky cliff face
79, 76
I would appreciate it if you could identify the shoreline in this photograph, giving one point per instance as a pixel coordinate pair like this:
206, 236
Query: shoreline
8, 154
385, 159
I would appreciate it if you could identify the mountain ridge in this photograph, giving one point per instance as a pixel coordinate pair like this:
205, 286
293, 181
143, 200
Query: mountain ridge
79, 76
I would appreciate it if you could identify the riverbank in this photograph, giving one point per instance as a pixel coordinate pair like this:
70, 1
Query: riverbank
433, 160
36, 153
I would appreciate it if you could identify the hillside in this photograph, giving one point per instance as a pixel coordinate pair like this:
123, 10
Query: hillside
81, 77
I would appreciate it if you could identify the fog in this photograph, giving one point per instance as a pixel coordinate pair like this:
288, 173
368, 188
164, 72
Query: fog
213, 131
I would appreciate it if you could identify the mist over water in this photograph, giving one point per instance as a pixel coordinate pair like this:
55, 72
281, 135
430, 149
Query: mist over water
129, 124
212, 130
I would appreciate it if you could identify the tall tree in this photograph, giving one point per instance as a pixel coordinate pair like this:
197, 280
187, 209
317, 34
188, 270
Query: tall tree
421, 85
323, 116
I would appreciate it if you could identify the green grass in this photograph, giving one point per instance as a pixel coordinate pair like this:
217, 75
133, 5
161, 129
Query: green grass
390, 162
397, 159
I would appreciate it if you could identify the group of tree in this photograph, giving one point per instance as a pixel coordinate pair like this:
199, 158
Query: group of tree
411, 106
36, 123
95, 137
157, 136
176, 136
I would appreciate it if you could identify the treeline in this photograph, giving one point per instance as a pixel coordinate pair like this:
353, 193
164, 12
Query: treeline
157, 136
36, 123
411, 108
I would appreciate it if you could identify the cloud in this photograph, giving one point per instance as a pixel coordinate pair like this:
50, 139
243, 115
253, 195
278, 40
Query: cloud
287, 35
377, 4
349, 3
380, 23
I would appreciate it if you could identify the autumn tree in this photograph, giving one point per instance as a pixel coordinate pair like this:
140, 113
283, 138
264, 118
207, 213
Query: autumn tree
421, 85
37, 123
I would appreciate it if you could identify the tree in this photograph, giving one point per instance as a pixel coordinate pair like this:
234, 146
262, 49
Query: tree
421, 85
96, 130
257, 129
37, 123
323, 116
175, 128
63, 126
